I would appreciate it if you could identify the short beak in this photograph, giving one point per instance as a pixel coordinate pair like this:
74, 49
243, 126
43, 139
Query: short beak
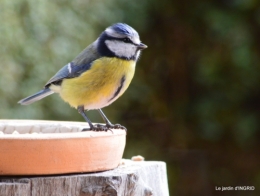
142, 46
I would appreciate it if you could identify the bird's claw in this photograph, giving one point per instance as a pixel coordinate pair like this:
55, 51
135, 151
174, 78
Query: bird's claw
107, 127
97, 128
118, 126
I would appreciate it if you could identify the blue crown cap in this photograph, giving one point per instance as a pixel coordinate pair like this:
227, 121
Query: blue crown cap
123, 28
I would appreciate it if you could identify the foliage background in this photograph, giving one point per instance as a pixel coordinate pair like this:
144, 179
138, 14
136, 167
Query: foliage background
194, 100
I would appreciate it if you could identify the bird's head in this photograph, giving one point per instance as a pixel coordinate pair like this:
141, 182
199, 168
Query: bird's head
121, 41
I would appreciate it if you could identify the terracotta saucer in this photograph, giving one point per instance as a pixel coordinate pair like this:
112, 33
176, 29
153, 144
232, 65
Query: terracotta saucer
33, 147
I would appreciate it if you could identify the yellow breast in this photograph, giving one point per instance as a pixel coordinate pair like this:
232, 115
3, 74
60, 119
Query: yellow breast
103, 83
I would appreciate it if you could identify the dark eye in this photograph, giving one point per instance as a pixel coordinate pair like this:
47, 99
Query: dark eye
127, 40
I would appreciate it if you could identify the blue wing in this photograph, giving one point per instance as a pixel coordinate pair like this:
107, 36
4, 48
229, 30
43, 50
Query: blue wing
68, 71
79, 65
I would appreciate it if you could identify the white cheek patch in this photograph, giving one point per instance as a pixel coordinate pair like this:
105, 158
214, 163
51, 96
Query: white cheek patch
121, 48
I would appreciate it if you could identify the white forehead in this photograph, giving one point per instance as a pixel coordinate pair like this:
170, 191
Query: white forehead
133, 35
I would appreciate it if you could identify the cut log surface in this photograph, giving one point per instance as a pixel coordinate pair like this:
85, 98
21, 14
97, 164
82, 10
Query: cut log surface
131, 178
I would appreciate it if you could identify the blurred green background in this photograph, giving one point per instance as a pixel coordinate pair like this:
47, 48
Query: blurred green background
194, 100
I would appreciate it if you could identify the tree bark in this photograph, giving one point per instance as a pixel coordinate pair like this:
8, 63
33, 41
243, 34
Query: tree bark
131, 178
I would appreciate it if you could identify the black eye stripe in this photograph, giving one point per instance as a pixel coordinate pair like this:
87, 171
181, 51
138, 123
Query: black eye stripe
127, 40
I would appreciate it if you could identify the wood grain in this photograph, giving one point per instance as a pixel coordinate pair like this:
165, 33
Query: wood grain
142, 178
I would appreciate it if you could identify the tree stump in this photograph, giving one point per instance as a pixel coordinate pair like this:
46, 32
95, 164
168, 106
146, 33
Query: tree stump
131, 178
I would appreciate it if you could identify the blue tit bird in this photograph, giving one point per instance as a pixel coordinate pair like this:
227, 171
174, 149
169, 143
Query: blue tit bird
98, 76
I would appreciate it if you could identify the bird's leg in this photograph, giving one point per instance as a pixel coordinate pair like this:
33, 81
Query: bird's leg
91, 126
82, 112
108, 123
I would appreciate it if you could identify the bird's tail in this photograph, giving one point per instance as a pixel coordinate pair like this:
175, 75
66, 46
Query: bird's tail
36, 97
